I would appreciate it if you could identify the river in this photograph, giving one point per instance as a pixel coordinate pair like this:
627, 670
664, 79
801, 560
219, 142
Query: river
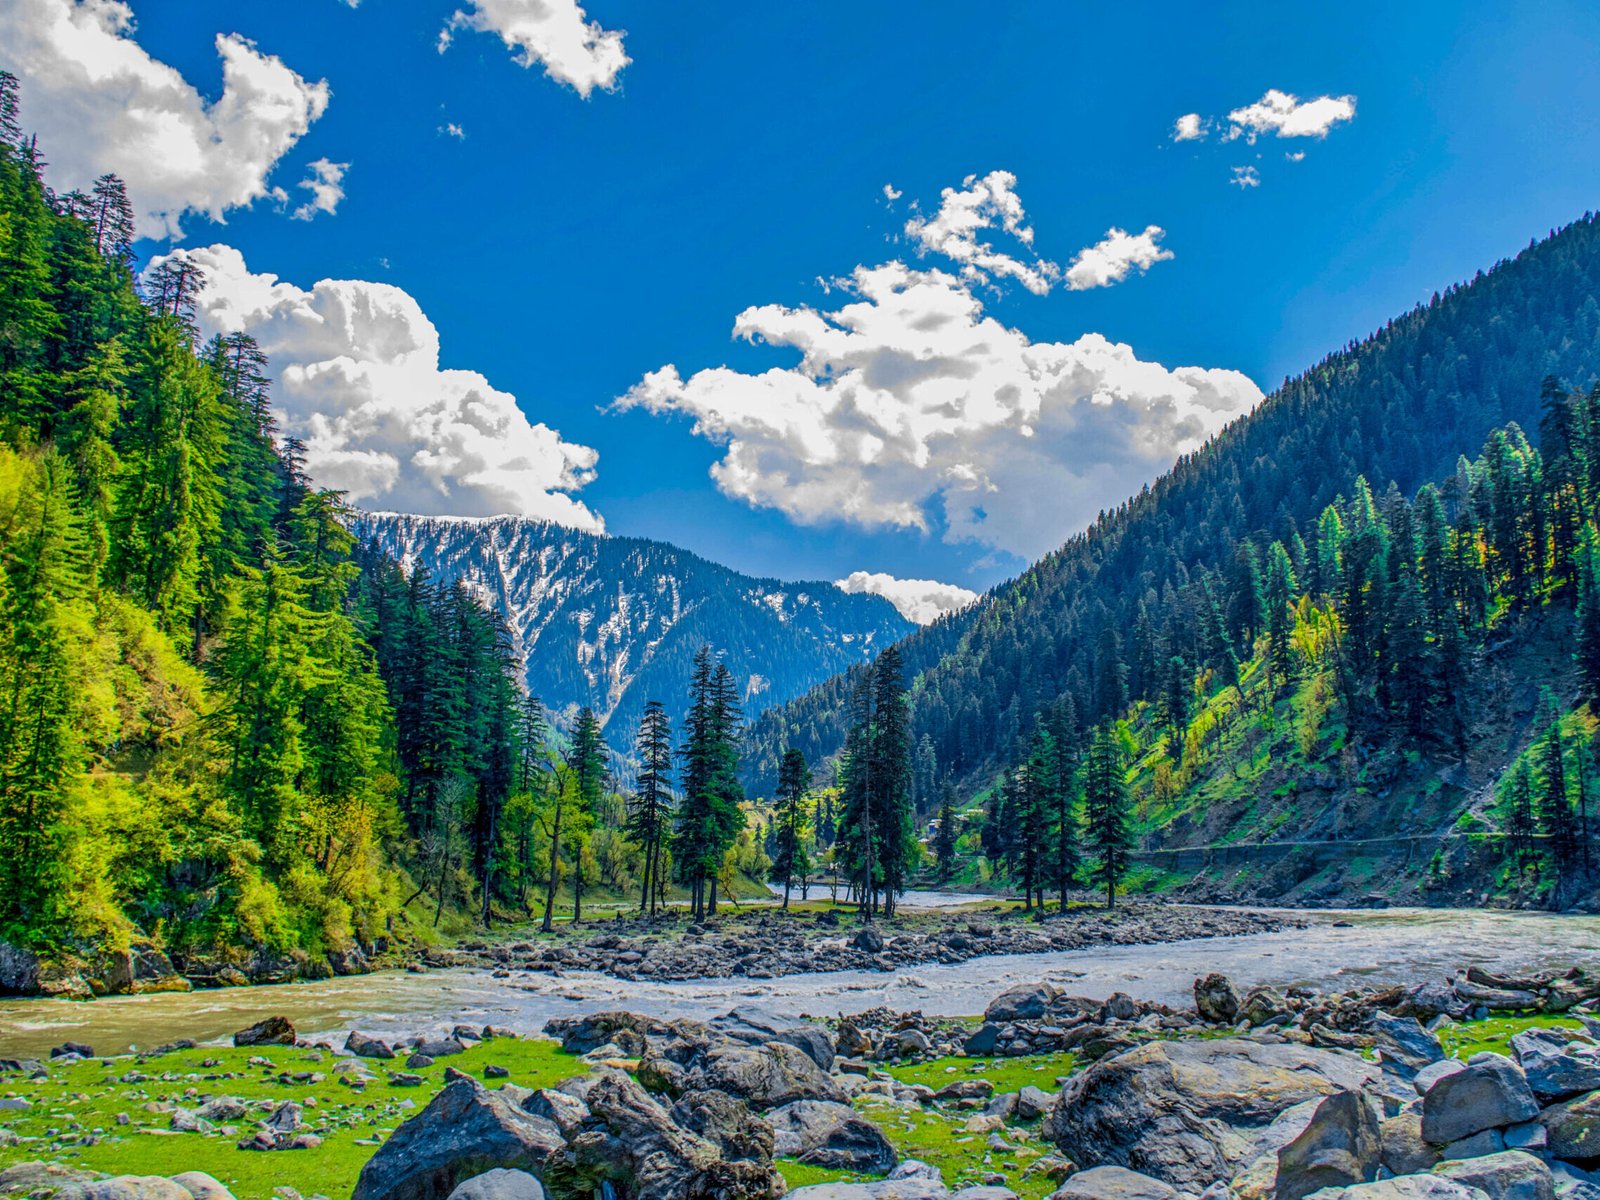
1337, 949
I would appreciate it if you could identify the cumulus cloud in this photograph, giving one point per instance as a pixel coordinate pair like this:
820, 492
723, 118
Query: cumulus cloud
356, 375
556, 34
891, 193
100, 102
978, 205
1245, 177
1110, 260
1189, 128
909, 403
1285, 115
326, 185
920, 601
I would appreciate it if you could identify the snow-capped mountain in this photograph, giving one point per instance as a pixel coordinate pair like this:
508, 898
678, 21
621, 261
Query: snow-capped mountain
613, 621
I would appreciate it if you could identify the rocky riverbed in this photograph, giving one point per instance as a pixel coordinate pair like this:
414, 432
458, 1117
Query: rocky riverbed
1481, 1087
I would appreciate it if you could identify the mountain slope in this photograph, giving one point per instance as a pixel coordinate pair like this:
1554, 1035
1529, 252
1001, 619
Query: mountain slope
613, 622
1400, 406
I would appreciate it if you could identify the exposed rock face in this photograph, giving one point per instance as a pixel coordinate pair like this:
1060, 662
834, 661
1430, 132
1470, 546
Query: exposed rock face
1112, 1183
727, 1124
1186, 1112
756, 1026
498, 1184
1490, 1094
1573, 1127
764, 1076
274, 1031
1216, 999
465, 1131
1556, 1069
1512, 1175
1404, 1151
1339, 1146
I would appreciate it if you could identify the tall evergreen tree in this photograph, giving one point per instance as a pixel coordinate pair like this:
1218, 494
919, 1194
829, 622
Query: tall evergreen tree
1106, 807
791, 859
650, 814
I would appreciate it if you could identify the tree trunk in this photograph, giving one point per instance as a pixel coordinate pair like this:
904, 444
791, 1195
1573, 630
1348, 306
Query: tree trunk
555, 873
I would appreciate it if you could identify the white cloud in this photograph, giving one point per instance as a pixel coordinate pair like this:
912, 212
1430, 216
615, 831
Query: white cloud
100, 102
1110, 260
1245, 177
910, 401
326, 185
981, 204
921, 601
1286, 115
555, 33
1189, 128
451, 129
1296, 156
891, 193
356, 375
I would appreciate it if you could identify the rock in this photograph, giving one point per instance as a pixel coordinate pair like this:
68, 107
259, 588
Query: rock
965, 1089
1530, 1135
755, 1025
1024, 1002
911, 1043
465, 1130
984, 1041
1404, 1044
564, 1111
868, 939
1485, 1141
834, 1136
222, 1108
727, 1124
1216, 999
202, 1186
1033, 1103
884, 1189
405, 1079
1430, 1075
495, 1071
764, 1076
1404, 1151
632, 1144
1188, 1112
1555, 1073
363, 1046
286, 1118
1573, 1127
1492, 1092
915, 1168
985, 1192
72, 1048
184, 1121
19, 970
440, 1048
498, 1184
1112, 1183
125, 1187
1512, 1175
1405, 1187
274, 1031
1339, 1146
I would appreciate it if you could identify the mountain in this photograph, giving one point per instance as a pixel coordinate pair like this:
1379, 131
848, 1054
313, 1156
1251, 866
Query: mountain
612, 622
1399, 407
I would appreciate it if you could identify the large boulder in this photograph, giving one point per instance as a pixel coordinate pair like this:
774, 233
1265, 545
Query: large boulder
126, 1187
1405, 1187
1339, 1146
882, 1189
1191, 1112
1555, 1070
756, 1026
363, 1046
1490, 1094
1405, 1046
1572, 1128
202, 1186
1216, 999
1511, 1175
1024, 1002
500, 1184
1404, 1151
1112, 1183
727, 1124
273, 1031
763, 1076
632, 1143
465, 1130
821, 1133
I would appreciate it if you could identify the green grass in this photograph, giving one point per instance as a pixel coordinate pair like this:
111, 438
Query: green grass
1007, 1074
81, 1102
1464, 1040
940, 1137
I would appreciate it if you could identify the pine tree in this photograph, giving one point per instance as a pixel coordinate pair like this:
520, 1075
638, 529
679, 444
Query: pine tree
944, 843
790, 859
1517, 805
650, 814
1107, 809
587, 758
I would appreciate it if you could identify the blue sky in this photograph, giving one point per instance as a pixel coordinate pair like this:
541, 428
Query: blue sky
567, 246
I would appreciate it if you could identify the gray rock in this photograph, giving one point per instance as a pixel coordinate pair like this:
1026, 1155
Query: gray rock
764, 1076
499, 1184
1573, 1127
1404, 1151
756, 1026
1112, 1183
1511, 1175
464, 1131
1191, 1112
441, 1048
1554, 1072
185, 1121
1033, 1103
223, 1108
1530, 1135
1405, 1187
273, 1031
1486, 1141
915, 1168
125, 1187
1404, 1044
1430, 1075
202, 1186
1339, 1146
1216, 999
1491, 1093
727, 1124
909, 1043
884, 1189
565, 1112
1024, 1002
984, 1191
834, 1136
363, 1046
984, 1040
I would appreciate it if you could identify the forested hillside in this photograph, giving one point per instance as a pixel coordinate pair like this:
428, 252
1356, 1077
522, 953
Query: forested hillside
1100, 619
610, 623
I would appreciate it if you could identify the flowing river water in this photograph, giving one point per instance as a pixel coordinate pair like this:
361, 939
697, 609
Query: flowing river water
1336, 949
